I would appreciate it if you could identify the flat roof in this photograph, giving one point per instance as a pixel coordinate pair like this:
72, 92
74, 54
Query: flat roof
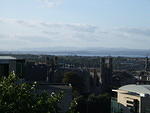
139, 89
52, 85
7, 58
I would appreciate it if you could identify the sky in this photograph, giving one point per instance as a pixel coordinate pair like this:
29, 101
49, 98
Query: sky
27, 24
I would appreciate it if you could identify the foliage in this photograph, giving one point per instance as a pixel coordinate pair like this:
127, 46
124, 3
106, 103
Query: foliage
92, 104
18, 97
99, 103
75, 80
73, 106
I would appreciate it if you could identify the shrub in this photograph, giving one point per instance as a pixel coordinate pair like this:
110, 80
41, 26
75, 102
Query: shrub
16, 97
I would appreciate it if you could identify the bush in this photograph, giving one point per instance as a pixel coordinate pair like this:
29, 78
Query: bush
73, 106
91, 104
18, 97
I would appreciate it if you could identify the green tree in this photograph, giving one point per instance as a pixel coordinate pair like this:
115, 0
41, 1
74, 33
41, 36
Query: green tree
99, 103
91, 104
73, 106
75, 80
18, 97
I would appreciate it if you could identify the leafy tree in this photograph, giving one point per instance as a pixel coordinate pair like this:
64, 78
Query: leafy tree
99, 103
73, 106
75, 80
18, 97
92, 104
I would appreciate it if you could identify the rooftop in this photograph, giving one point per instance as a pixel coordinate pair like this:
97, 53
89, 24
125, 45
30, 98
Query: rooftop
139, 89
7, 58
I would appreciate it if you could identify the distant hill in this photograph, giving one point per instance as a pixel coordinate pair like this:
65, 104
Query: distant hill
83, 52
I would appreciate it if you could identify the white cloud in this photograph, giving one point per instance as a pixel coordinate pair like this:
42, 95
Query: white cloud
51, 3
136, 31
24, 34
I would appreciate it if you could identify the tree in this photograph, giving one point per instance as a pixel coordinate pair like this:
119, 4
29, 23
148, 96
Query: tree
99, 103
18, 97
75, 80
92, 104
73, 106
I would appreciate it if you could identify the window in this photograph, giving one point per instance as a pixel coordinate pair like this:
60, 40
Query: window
130, 102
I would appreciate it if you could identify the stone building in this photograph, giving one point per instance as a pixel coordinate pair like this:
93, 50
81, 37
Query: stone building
106, 73
102, 77
144, 76
10, 64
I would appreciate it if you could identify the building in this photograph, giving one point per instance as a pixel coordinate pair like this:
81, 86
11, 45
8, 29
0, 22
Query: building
106, 69
10, 64
102, 77
121, 78
144, 78
131, 99
146, 64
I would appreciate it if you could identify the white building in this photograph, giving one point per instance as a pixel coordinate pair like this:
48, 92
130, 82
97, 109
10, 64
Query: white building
132, 99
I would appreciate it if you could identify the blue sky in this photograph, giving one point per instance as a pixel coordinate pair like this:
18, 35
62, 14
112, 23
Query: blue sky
74, 23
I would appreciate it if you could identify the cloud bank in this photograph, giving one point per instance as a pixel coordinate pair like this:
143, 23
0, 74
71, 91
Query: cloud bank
17, 34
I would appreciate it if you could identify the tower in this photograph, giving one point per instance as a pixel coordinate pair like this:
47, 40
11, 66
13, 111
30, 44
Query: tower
146, 64
106, 73
51, 67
